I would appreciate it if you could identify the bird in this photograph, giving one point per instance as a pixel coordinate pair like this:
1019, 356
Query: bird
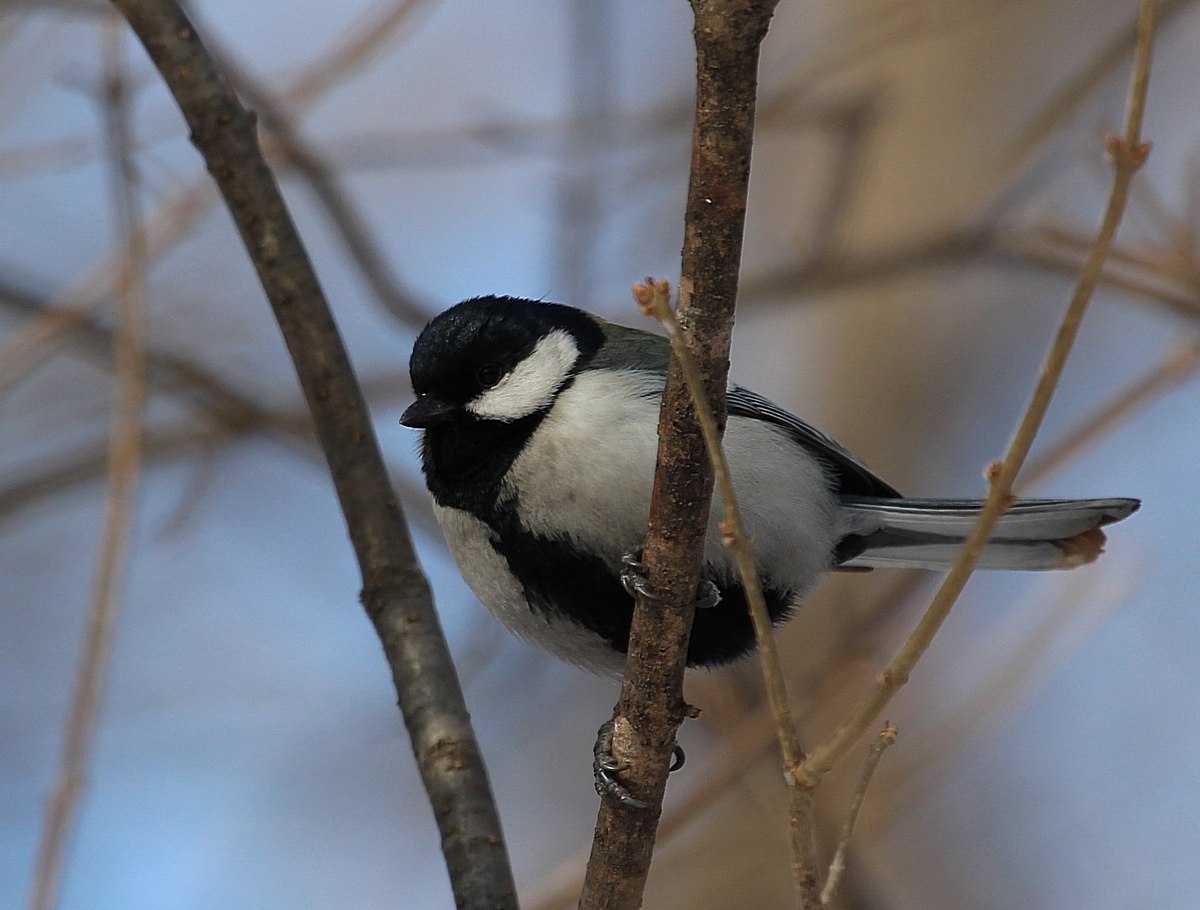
538, 446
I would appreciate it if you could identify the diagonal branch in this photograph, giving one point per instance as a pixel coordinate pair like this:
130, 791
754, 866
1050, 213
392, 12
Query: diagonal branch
1128, 152
395, 593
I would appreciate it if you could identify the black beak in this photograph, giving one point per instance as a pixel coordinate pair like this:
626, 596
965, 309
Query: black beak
426, 411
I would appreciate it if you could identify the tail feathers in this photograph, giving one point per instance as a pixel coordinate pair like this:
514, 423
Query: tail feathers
928, 533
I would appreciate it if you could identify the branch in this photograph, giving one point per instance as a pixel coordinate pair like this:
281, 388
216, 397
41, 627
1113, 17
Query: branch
837, 866
728, 36
654, 298
1128, 153
395, 593
124, 466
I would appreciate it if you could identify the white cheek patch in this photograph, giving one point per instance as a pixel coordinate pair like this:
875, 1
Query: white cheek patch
532, 383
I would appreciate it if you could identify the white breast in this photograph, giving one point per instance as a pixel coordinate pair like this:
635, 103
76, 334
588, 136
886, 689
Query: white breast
588, 471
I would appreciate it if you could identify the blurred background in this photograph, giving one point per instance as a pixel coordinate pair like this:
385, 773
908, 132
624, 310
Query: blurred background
926, 180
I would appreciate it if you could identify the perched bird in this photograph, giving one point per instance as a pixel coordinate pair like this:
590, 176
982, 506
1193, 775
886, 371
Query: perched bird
540, 437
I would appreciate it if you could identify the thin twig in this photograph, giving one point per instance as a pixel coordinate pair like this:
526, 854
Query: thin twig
35, 341
1178, 364
124, 460
837, 866
654, 297
1128, 153
395, 593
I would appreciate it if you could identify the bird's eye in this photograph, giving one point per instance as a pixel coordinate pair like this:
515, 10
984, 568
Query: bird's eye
489, 374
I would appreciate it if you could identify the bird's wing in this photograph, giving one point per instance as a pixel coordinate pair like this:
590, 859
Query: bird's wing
627, 348
853, 477
631, 349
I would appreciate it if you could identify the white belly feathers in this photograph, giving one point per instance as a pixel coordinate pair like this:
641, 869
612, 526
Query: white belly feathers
593, 488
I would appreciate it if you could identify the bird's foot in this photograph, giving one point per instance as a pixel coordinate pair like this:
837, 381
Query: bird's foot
606, 768
635, 583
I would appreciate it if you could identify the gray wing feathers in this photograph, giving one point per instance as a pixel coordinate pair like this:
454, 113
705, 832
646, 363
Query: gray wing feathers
625, 349
850, 475
631, 349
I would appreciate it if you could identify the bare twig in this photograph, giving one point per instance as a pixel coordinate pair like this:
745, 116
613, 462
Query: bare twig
728, 36
837, 865
124, 462
34, 342
654, 299
1178, 364
395, 593
1128, 152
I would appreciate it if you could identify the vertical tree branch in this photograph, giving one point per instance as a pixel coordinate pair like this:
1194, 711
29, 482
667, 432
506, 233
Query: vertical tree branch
654, 299
124, 464
395, 593
728, 35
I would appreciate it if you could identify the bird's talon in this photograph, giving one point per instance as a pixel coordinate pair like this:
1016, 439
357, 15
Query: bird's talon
708, 596
635, 583
677, 758
605, 768
633, 576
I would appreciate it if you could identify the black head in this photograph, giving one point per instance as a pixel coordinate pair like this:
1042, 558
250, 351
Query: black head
497, 359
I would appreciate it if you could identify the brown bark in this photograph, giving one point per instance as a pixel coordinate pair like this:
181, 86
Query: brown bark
728, 36
395, 593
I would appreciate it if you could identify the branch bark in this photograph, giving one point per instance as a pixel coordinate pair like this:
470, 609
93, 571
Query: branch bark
728, 35
395, 593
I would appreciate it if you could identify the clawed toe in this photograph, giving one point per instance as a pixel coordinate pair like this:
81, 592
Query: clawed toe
635, 583
633, 576
605, 769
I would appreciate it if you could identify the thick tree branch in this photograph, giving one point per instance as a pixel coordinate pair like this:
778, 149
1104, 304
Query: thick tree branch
395, 593
728, 36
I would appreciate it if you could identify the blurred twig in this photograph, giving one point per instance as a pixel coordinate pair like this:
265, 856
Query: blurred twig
35, 341
837, 865
1178, 364
124, 462
1072, 94
1128, 152
1059, 616
74, 468
395, 593
232, 412
360, 243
